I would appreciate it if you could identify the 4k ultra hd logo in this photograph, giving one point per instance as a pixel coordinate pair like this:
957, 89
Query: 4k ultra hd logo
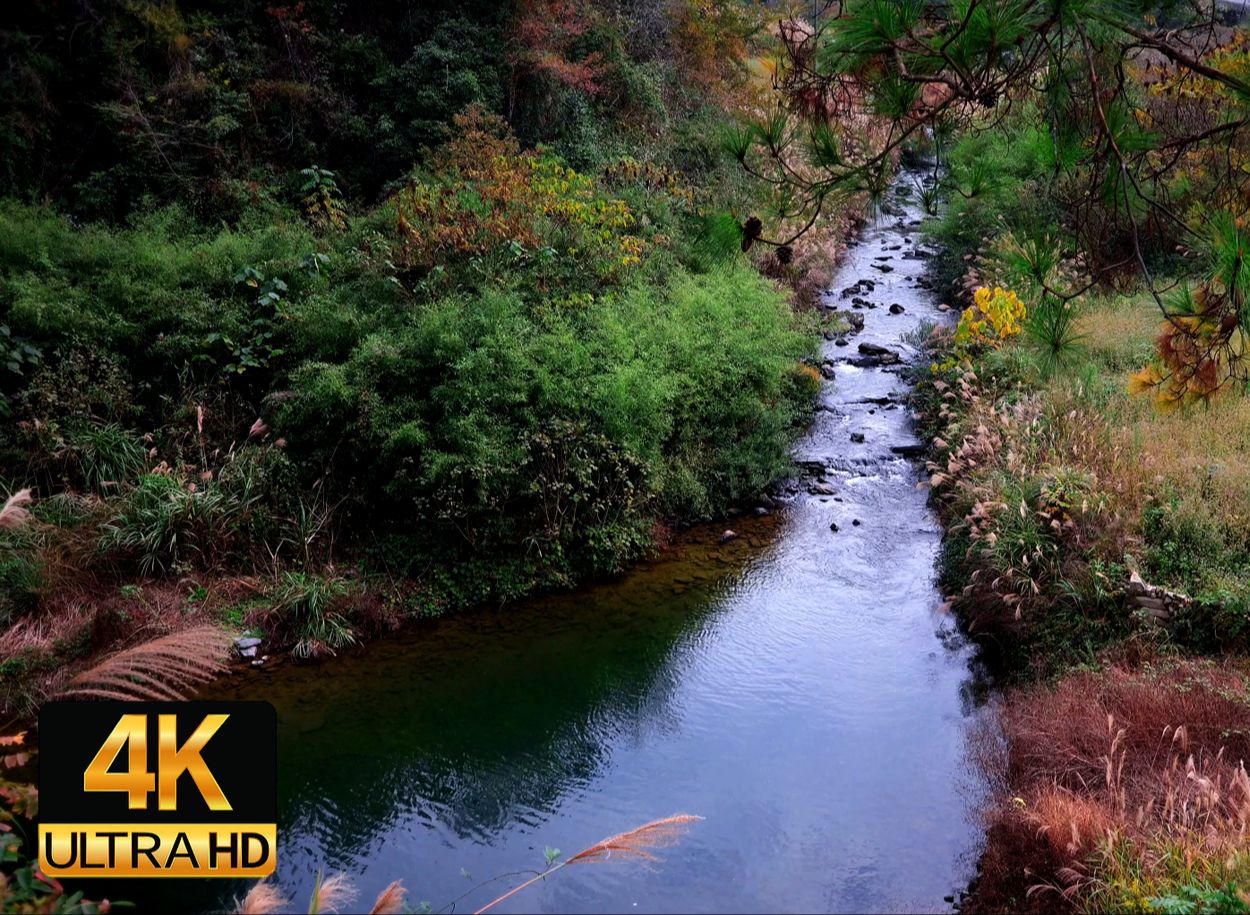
157, 789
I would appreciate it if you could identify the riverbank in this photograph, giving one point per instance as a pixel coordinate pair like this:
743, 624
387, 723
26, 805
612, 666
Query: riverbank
69, 583
1096, 547
473, 740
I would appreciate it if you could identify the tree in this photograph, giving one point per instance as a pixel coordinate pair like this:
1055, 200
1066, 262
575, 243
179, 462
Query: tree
1147, 113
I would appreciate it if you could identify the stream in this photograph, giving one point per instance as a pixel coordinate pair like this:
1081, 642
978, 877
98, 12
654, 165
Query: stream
798, 687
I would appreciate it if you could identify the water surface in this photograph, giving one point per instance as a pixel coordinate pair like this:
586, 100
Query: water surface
797, 687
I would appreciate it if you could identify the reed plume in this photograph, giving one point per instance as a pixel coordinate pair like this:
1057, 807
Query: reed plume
15, 513
262, 899
391, 900
636, 844
330, 893
168, 668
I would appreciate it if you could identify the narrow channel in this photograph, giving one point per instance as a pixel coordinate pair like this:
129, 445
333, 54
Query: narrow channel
798, 687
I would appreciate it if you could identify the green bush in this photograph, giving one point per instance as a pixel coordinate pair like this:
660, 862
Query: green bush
557, 434
104, 454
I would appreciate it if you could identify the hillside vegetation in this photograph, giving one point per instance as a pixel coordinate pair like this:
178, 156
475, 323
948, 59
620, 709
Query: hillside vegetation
316, 317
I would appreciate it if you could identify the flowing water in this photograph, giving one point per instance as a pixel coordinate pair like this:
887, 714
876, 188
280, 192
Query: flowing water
797, 687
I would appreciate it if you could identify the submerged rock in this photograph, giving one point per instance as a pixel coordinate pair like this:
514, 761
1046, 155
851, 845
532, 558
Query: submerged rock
728, 536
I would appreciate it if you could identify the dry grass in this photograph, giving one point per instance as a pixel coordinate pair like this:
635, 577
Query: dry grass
1119, 786
332, 893
391, 900
1209, 442
168, 668
635, 844
329, 895
1119, 331
262, 899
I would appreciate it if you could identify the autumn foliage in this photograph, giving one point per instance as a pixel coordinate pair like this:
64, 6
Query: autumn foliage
487, 192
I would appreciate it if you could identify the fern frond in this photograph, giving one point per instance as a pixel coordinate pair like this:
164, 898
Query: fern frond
168, 668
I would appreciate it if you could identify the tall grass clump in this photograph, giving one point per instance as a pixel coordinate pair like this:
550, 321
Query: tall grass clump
1122, 790
307, 609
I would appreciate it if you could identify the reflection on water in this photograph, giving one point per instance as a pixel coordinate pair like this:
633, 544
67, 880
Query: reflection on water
795, 687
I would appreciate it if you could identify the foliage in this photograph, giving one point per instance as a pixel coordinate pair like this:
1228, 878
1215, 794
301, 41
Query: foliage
671, 400
993, 317
1201, 900
1202, 346
24, 889
488, 194
322, 201
1125, 124
500, 328
168, 522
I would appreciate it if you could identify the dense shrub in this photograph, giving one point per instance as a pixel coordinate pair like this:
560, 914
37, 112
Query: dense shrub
555, 434
447, 293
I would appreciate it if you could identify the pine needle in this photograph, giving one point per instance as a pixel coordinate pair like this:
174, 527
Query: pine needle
169, 668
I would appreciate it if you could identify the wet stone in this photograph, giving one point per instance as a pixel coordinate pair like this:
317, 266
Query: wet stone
875, 349
247, 647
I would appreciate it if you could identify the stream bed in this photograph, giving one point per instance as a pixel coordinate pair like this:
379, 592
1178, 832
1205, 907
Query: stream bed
798, 687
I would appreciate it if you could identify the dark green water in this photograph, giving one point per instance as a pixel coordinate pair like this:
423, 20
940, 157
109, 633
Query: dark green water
797, 687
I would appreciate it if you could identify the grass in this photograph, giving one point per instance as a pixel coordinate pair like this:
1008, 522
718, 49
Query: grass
1121, 788
168, 668
1052, 475
1117, 754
